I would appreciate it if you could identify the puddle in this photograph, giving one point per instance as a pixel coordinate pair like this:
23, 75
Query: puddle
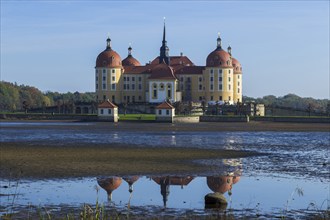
171, 194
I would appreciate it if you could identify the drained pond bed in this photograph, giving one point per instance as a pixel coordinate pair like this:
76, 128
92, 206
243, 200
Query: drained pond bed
67, 170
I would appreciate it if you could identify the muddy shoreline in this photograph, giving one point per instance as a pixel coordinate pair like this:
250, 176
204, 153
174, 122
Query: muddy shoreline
37, 160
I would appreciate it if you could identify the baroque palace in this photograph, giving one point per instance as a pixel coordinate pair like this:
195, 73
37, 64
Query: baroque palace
172, 78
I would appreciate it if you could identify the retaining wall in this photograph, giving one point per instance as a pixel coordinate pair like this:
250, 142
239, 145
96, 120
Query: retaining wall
294, 119
186, 119
207, 118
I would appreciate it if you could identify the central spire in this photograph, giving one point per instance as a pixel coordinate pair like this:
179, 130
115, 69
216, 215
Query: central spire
164, 55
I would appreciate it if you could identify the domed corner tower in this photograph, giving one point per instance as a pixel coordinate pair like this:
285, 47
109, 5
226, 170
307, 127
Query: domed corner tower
108, 72
238, 81
218, 75
130, 60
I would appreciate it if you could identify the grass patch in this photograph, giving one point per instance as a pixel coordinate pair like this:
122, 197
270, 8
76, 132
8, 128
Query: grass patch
137, 117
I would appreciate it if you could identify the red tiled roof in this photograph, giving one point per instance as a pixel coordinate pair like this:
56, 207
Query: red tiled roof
218, 58
162, 71
108, 58
237, 66
164, 105
130, 61
107, 104
138, 69
188, 70
176, 60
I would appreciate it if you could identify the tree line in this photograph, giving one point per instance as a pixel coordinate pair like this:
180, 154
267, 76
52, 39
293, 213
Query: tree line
14, 97
293, 102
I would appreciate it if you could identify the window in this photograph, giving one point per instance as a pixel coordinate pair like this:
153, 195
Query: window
127, 79
140, 78
220, 98
188, 87
103, 78
200, 98
228, 79
229, 98
154, 91
200, 87
159, 112
169, 91
127, 86
211, 87
113, 99
211, 98
102, 111
133, 78
220, 86
211, 78
140, 86
238, 90
96, 71
140, 98
104, 97
133, 86
109, 111
238, 83
220, 71
161, 86
124, 86
229, 71
124, 78
133, 98
96, 78
167, 112
97, 86
181, 79
220, 78
211, 71
237, 76
113, 71
128, 99
104, 87
188, 79
229, 87
200, 79
113, 78
113, 86
104, 71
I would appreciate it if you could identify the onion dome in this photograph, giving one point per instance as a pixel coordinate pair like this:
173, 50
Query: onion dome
218, 57
237, 66
108, 58
162, 71
220, 184
130, 60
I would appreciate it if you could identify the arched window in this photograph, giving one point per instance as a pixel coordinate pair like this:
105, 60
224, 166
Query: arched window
161, 86
169, 91
154, 91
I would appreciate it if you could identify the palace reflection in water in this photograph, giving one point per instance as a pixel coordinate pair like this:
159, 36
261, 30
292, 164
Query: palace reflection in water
229, 174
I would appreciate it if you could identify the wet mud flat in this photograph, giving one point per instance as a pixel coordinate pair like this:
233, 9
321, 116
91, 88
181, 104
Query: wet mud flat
39, 160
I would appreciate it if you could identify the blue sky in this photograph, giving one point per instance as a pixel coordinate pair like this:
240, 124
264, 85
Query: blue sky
283, 46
